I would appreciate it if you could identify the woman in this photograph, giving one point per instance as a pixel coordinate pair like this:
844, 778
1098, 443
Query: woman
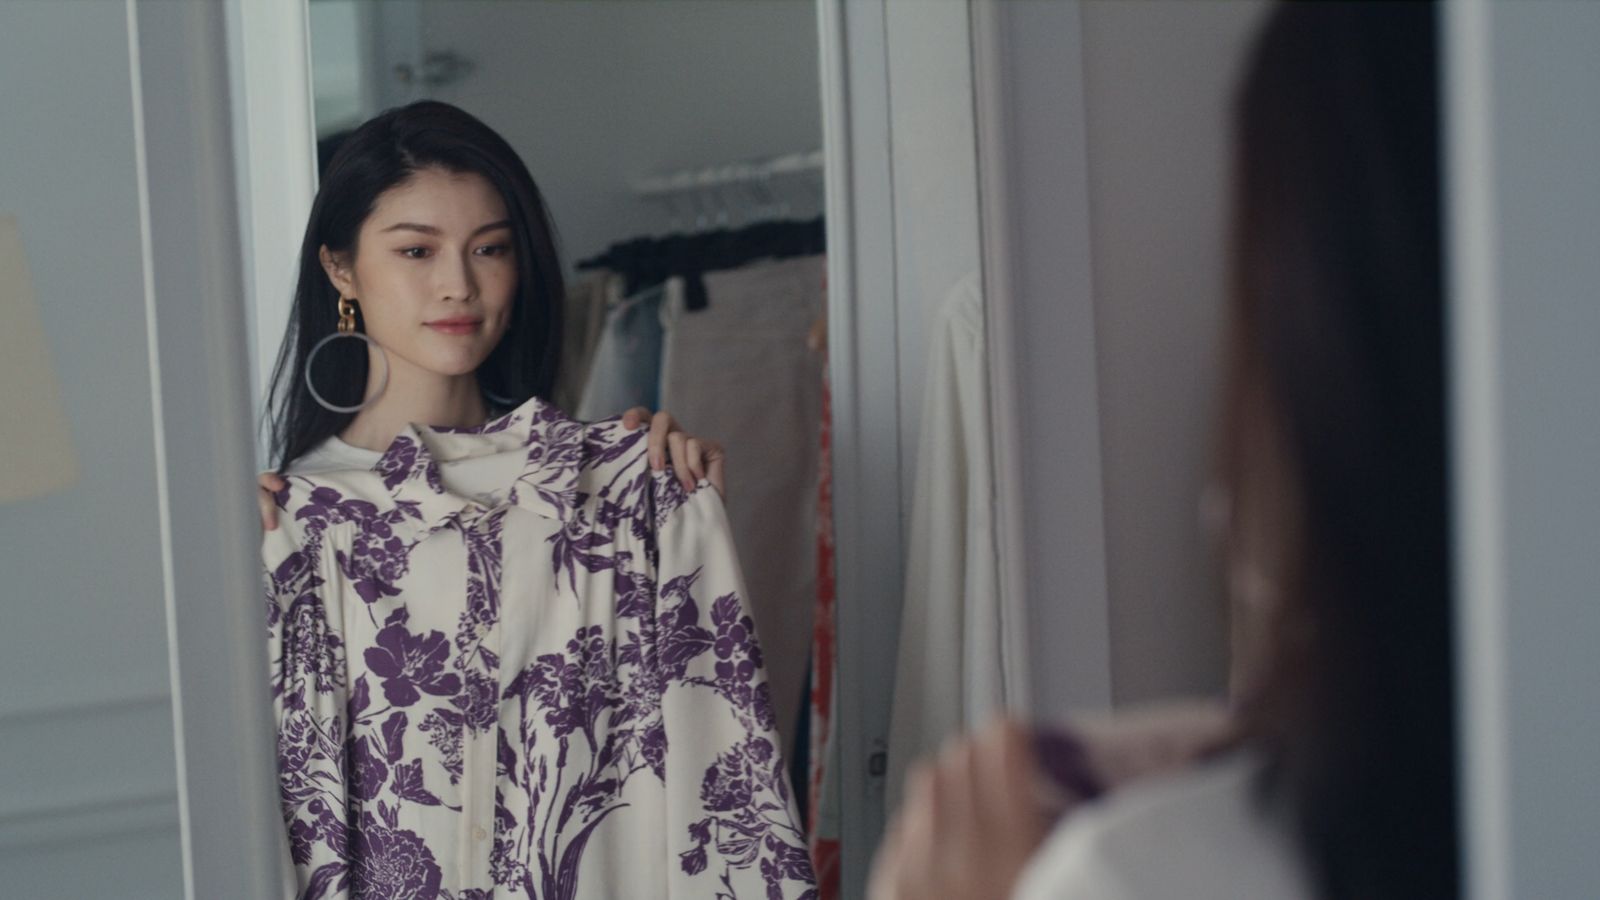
692, 458
1342, 781
511, 654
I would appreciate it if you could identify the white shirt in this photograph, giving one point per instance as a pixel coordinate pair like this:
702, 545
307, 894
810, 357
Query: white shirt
953, 645
513, 661
1191, 836
334, 454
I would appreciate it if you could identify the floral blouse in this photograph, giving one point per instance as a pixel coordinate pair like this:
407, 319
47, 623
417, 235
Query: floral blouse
552, 690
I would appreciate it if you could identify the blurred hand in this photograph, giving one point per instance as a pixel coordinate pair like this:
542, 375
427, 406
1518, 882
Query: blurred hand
971, 820
693, 458
1151, 738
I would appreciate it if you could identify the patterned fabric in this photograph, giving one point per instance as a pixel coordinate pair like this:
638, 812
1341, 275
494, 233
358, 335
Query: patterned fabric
554, 690
823, 824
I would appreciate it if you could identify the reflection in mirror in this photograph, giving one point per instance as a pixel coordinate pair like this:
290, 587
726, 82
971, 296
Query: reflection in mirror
547, 641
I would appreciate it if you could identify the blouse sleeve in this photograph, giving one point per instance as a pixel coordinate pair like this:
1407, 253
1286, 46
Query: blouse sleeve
307, 675
1071, 865
732, 817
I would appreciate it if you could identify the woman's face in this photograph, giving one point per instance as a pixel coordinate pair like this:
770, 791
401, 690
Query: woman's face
436, 247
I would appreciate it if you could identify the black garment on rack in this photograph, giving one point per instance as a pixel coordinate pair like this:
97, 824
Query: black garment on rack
646, 262
800, 755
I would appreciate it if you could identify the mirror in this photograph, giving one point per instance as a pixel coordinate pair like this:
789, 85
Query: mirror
678, 152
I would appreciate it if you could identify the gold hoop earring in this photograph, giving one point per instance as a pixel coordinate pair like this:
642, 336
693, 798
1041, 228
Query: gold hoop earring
347, 328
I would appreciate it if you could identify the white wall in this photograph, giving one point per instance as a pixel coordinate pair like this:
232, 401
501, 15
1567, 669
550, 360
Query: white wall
596, 95
1109, 182
934, 185
1159, 77
88, 789
1521, 82
1040, 311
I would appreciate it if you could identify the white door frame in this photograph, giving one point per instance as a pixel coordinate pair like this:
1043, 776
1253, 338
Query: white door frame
1522, 132
231, 823
274, 131
866, 403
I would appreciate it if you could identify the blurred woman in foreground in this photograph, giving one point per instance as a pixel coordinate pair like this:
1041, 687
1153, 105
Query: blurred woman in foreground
1340, 782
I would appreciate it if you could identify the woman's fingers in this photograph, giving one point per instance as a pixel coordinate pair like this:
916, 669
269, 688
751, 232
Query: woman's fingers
968, 825
661, 426
914, 851
714, 457
696, 458
1007, 771
270, 483
883, 883
954, 801
678, 442
692, 458
635, 417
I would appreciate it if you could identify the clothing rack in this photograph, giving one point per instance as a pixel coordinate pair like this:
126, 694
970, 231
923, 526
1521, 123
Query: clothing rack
744, 191
731, 174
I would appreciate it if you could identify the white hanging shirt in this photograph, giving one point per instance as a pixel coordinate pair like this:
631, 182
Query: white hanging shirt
1191, 836
512, 661
953, 646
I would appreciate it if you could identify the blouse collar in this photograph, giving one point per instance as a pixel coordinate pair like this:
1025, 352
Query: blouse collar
547, 483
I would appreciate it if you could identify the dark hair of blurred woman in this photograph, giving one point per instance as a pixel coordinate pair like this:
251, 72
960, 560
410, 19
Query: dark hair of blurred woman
1335, 445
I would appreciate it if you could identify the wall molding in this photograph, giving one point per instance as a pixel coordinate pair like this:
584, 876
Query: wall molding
201, 219
84, 706
87, 768
71, 822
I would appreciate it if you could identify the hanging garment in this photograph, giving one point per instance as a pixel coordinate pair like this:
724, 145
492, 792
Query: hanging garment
741, 370
511, 661
647, 261
626, 369
948, 676
823, 827
582, 322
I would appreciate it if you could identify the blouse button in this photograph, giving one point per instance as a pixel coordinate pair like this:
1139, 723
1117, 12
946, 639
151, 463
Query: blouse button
479, 834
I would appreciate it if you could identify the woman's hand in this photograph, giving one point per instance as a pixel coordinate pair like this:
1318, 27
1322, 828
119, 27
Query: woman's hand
692, 459
271, 483
971, 820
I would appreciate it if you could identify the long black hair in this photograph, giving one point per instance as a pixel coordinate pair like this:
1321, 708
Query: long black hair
1338, 356
383, 152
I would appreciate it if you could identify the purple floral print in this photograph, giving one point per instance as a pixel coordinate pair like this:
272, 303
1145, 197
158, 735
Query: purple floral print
410, 663
392, 863
509, 694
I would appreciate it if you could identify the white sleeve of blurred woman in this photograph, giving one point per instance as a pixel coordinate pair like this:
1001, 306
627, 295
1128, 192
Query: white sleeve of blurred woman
1197, 834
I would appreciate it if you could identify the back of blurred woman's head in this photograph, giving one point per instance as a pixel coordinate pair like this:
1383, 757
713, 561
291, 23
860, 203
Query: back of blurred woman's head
1335, 445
